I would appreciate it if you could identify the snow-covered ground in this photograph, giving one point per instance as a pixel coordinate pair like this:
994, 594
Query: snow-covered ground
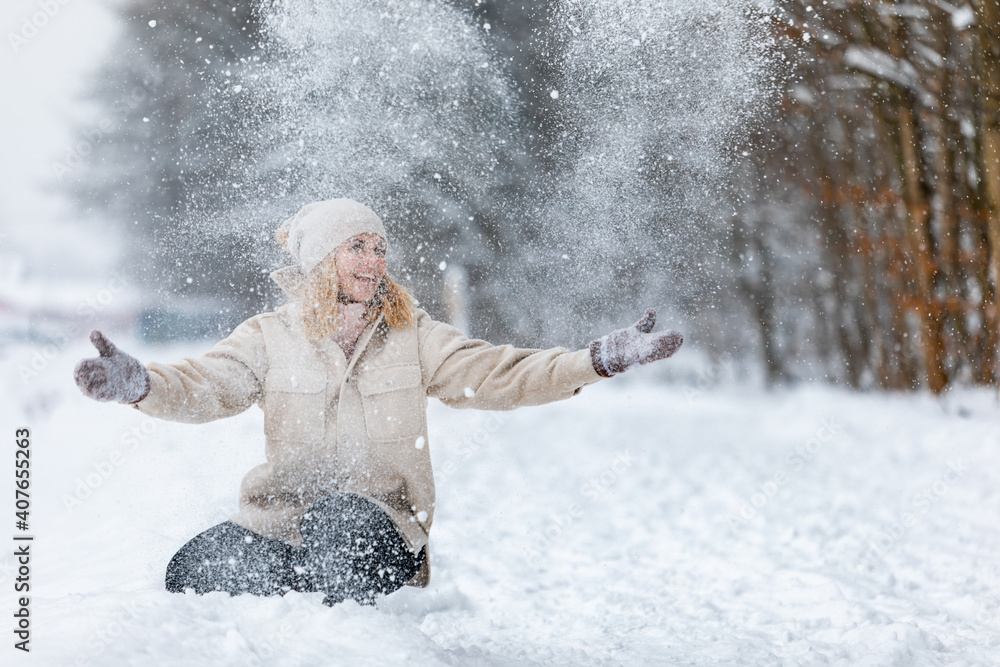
605, 530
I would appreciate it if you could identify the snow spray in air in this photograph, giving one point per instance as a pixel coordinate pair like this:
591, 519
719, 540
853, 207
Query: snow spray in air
657, 96
407, 106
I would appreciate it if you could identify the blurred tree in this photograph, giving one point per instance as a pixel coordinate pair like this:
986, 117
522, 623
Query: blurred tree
883, 150
524, 39
651, 100
174, 163
988, 15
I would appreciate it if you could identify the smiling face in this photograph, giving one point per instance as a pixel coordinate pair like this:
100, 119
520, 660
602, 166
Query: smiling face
361, 266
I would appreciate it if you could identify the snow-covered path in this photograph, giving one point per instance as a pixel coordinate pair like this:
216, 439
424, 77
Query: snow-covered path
637, 524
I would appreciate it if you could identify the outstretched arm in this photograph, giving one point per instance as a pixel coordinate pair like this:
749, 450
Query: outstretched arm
464, 372
224, 382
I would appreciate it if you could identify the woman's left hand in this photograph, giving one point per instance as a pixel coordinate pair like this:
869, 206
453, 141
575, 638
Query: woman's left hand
622, 349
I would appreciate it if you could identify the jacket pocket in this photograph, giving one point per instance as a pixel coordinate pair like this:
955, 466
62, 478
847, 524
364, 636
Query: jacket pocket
393, 401
295, 404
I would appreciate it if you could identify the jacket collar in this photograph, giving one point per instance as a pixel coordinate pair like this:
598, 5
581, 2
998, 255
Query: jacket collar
290, 279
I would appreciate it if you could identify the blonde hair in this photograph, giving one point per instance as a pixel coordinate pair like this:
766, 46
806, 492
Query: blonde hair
319, 302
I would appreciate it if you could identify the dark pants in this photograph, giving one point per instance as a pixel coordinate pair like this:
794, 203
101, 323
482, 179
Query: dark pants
350, 550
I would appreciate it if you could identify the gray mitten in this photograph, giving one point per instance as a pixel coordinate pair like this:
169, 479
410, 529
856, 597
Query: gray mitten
622, 349
113, 376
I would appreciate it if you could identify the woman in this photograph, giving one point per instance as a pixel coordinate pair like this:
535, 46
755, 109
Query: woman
345, 501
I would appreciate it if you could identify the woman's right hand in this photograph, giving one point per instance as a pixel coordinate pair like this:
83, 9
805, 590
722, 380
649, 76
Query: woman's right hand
112, 376
622, 349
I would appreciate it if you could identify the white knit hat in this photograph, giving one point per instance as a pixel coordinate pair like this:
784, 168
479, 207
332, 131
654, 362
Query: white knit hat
318, 229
